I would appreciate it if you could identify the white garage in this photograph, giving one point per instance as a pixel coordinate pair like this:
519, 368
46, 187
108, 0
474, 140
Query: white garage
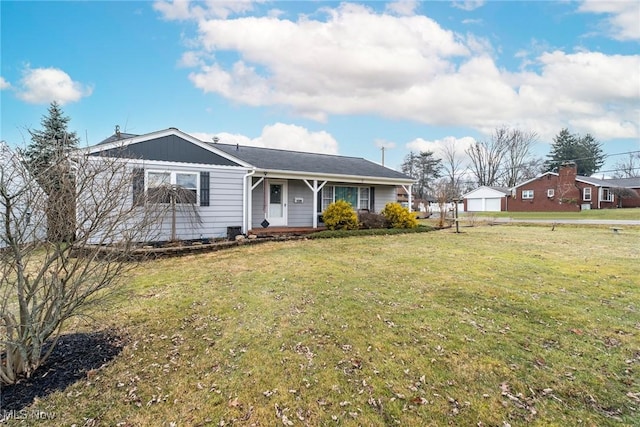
485, 199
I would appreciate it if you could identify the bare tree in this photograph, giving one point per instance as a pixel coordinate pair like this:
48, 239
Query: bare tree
518, 155
629, 167
45, 282
486, 156
452, 166
178, 199
443, 195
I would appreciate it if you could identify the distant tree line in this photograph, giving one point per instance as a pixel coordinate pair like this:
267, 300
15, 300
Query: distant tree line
504, 160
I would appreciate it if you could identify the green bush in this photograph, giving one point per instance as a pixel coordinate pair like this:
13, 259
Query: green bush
339, 215
398, 216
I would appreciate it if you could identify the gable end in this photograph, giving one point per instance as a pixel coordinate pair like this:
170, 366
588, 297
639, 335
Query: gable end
168, 148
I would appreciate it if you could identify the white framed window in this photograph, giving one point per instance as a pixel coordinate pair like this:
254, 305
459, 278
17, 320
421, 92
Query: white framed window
607, 194
527, 194
364, 198
327, 196
358, 197
160, 186
586, 194
551, 192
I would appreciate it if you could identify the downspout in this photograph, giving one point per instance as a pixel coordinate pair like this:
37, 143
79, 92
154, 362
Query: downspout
246, 201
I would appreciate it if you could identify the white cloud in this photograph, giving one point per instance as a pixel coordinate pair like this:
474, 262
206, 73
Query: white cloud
402, 7
44, 85
468, 5
4, 84
280, 136
358, 61
182, 10
623, 21
437, 146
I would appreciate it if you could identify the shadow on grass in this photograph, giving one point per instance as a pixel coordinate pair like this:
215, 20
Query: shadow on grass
73, 357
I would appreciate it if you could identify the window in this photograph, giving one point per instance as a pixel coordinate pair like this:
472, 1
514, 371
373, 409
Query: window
358, 197
586, 194
327, 196
364, 198
527, 194
607, 195
161, 186
550, 192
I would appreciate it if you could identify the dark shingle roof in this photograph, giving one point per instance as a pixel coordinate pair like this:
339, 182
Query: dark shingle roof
115, 137
285, 160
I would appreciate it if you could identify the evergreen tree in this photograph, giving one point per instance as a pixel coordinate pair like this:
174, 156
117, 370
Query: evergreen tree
46, 158
49, 144
424, 168
585, 151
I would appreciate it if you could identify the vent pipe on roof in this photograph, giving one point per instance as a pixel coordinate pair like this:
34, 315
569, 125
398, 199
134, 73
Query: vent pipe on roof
237, 147
118, 135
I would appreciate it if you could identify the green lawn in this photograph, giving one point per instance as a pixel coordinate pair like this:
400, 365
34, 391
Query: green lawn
493, 326
630, 213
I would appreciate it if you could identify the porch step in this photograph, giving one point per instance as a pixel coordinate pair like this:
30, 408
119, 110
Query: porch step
284, 231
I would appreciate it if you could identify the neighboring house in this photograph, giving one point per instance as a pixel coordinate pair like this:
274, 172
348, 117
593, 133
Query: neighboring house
486, 199
567, 191
243, 187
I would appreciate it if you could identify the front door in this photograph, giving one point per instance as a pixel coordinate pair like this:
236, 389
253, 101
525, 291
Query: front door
277, 214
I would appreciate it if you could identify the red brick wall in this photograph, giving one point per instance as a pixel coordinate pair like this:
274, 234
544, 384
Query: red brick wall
567, 197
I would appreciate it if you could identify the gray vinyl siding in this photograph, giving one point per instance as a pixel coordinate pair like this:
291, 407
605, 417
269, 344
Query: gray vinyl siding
384, 194
224, 210
300, 214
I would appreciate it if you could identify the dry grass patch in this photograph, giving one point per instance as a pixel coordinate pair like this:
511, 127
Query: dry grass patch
492, 326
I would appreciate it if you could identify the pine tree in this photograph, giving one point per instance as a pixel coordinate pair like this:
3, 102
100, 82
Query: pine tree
50, 143
584, 151
48, 162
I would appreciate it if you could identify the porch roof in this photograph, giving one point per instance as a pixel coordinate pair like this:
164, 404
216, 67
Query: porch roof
269, 159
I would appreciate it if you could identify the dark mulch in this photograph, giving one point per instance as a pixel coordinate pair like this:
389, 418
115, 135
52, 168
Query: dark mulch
73, 357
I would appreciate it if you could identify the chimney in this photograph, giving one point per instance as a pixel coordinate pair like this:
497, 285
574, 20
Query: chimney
568, 170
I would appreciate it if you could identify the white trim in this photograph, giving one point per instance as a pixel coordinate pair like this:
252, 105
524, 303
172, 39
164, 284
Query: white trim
338, 178
280, 221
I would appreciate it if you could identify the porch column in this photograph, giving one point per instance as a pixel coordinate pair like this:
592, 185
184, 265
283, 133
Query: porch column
315, 189
409, 195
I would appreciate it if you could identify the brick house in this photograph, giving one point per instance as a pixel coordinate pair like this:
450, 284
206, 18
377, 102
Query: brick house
565, 191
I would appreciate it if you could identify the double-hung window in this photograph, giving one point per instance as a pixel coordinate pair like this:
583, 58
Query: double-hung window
527, 194
163, 186
586, 194
607, 194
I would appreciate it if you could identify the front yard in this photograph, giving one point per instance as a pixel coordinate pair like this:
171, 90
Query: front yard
494, 326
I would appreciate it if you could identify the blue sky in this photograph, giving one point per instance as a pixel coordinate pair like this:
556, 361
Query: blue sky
332, 77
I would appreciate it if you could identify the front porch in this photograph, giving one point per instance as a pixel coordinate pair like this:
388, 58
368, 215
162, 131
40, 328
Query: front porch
284, 231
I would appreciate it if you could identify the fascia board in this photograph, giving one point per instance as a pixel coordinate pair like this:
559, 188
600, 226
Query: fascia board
281, 174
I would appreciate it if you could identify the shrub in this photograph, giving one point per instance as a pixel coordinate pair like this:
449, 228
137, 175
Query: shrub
398, 216
372, 220
339, 215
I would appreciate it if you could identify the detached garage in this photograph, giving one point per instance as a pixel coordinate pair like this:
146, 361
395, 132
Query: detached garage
486, 199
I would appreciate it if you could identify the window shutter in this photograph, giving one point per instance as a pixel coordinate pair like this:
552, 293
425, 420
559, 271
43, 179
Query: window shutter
138, 187
372, 199
319, 201
204, 188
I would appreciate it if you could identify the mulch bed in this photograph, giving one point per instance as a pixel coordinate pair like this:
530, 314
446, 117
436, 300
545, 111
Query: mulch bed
72, 358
